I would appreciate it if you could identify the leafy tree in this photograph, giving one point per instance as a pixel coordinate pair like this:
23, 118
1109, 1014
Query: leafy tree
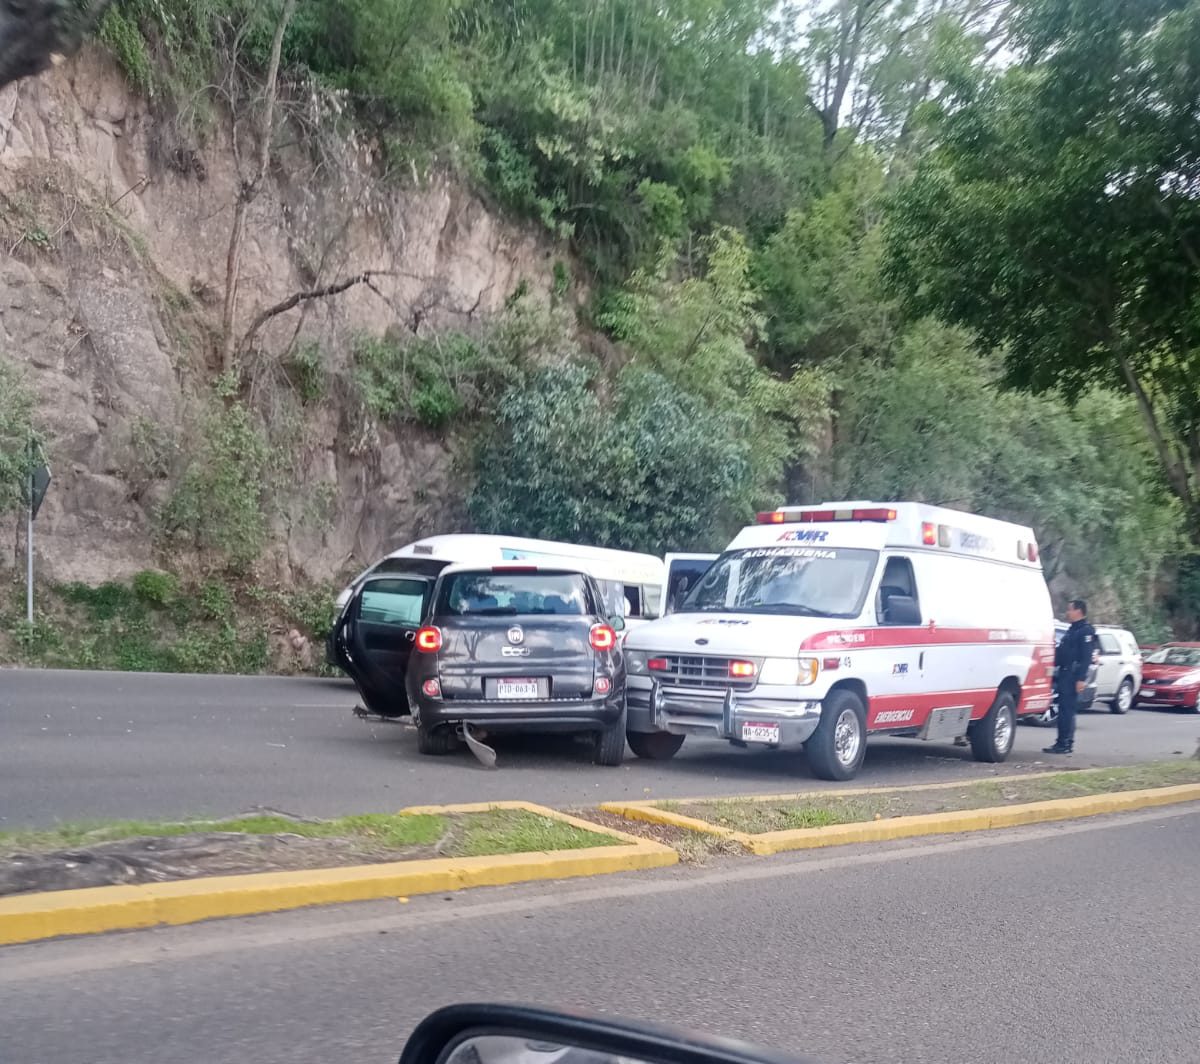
1059, 217
933, 424
652, 470
700, 332
819, 274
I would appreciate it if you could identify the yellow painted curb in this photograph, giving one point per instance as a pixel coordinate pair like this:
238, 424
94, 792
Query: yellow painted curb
843, 791
29, 917
906, 827
646, 812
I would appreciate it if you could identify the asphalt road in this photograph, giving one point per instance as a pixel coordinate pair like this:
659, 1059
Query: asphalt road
78, 745
1061, 944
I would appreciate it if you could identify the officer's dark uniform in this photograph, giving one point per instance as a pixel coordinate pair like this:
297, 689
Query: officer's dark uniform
1073, 659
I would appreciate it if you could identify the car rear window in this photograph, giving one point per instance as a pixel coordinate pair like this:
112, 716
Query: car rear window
493, 594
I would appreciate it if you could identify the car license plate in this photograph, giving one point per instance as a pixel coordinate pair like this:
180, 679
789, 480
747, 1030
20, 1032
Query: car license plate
760, 733
516, 689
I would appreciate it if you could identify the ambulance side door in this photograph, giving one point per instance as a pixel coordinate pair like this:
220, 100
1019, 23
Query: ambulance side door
897, 685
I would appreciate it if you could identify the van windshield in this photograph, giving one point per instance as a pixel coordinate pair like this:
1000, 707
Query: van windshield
491, 594
804, 581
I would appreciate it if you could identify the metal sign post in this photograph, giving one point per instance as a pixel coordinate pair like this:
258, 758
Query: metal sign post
29, 557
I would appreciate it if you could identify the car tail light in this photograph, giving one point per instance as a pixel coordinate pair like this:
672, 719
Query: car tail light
429, 640
743, 670
603, 685
603, 637
432, 688
658, 665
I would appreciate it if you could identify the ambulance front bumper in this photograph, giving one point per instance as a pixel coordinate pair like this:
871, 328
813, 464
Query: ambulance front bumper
723, 712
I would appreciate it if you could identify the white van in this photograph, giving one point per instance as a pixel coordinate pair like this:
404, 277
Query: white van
390, 597
821, 624
648, 583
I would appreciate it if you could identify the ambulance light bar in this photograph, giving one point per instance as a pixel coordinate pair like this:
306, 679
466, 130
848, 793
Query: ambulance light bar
795, 517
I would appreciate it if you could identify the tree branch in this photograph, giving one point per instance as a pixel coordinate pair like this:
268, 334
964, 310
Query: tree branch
296, 298
1176, 474
250, 188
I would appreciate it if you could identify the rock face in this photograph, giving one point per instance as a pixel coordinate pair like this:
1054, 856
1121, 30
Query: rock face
115, 229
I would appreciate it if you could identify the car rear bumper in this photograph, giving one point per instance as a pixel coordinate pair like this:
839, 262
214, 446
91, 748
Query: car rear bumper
575, 715
723, 712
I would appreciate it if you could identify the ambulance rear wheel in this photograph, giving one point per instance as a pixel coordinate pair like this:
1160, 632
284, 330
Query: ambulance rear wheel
655, 746
838, 746
992, 738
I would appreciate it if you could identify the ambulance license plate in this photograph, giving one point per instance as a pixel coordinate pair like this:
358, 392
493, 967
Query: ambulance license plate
516, 689
760, 733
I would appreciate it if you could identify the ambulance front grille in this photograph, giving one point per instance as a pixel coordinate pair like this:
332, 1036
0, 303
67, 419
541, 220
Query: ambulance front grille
699, 671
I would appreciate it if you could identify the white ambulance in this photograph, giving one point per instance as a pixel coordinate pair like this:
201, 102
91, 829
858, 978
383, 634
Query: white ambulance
822, 624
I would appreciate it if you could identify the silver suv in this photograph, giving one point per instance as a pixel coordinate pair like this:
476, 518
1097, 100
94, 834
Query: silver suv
1119, 677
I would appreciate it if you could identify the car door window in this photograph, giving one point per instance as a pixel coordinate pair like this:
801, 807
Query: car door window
393, 602
1108, 643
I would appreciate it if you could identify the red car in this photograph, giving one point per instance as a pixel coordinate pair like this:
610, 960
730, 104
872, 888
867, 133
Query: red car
1171, 677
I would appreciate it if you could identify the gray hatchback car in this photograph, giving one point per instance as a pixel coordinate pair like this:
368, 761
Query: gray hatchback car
518, 649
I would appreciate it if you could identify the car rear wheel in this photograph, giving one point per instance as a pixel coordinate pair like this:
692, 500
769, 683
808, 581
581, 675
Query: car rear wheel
609, 744
992, 738
1123, 702
655, 746
838, 746
436, 742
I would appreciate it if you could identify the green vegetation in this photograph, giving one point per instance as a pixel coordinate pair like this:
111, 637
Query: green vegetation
17, 430
218, 507
371, 835
938, 250
519, 831
384, 829
161, 623
817, 811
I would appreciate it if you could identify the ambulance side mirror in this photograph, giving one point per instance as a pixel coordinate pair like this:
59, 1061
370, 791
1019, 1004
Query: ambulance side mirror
902, 610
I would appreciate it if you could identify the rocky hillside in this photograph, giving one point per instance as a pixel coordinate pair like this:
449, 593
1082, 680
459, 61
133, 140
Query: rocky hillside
115, 238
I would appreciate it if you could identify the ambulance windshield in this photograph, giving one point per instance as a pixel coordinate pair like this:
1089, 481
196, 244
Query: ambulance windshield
804, 581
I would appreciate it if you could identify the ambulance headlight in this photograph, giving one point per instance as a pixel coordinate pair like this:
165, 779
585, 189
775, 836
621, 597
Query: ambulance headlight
635, 662
807, 670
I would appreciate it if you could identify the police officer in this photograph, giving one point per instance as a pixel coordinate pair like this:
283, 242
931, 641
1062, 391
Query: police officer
1073, 660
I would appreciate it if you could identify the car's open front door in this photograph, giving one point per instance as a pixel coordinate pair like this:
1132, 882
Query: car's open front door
375, 635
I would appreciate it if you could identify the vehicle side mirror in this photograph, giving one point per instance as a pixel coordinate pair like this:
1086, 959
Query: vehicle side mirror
512, 1034
902, 610
617, 624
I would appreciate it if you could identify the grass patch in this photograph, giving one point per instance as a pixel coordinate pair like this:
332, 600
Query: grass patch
498, 831
159, 622
383, 829
815, 811
518, 831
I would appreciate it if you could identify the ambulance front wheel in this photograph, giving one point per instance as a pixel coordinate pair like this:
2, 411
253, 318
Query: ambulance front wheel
837, 748
992, 738
654, 746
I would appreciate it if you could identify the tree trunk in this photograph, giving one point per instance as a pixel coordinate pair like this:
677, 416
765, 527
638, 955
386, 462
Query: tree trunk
248, 192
